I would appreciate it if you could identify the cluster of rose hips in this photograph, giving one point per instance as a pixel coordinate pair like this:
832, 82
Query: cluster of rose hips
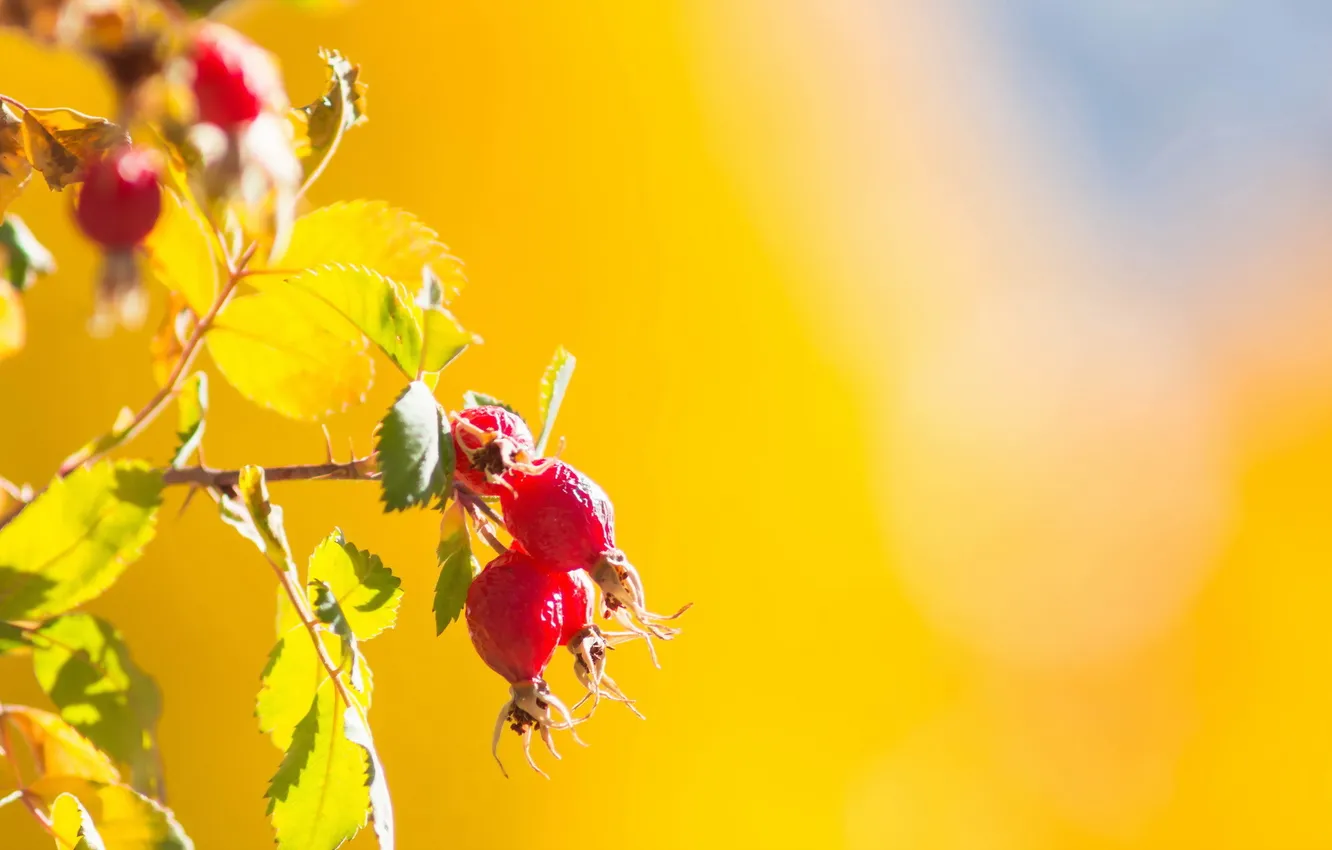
542, 593
238, 98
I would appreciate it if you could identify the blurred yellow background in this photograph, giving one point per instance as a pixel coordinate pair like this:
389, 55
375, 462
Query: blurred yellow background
996, 456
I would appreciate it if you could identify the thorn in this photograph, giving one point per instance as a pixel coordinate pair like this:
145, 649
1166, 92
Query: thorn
351, 448
559, 448
189, 496
328, 443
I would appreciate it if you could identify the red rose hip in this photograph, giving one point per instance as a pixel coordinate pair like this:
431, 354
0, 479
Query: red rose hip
121, 197
515, 618
565, 520
235, 80
487, 442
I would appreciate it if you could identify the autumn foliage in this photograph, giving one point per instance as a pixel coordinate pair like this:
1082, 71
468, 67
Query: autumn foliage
197, 185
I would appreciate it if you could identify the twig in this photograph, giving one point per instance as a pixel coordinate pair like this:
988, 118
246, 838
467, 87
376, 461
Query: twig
360, 469
473, 499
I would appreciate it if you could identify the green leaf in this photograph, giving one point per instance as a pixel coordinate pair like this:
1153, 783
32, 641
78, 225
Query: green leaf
75, 539
26, 257
472, 398
415, 450
328, 611
319, 127
553, 385
83, 665
287, 685
191, 407
126, 819
381, 804
442, 338
367, 592
287, 350
457, 567
320, 795
376, 236
72, 826
377, 306
258, 520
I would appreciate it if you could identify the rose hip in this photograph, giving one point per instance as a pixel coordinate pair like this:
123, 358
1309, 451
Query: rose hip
487, 442
515, 618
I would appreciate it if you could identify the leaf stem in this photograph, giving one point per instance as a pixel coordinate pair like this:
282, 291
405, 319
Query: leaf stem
287, 578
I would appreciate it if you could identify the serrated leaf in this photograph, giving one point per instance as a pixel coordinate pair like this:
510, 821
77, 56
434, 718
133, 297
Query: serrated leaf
126, 819
76, 538
320, 795
22, 257
191, 408
367, 592
381, 804
457, 566
415, 450
368, 302
58, 749
319, 127
182, 254
377, 236
15, 169
554, 383
83, 665
258, 520
60, 141
442, 338
472, 398
13, 326
72, 826
288, 351
288, 683
328, 611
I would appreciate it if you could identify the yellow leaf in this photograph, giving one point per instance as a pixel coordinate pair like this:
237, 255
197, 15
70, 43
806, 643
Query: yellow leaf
61, 140
168, 342
182, 254
13, 330
373, 234
318, 127
286, 350
59, 750
15, 170
72, 826
125, 819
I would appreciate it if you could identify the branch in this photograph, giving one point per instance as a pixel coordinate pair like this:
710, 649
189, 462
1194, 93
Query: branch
359, 469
